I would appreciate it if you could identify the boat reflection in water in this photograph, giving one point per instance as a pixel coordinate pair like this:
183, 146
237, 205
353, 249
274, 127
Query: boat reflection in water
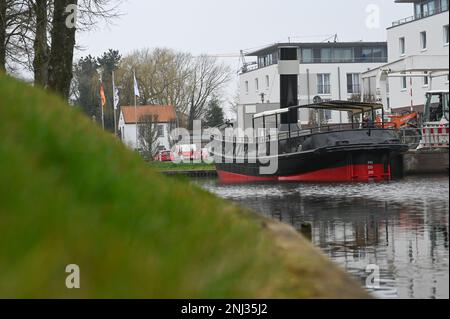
402, 227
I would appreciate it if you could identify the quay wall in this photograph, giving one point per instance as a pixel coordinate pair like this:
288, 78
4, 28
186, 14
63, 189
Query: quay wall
426, 162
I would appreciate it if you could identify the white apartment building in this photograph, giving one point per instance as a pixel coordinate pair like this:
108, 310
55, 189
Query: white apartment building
418, 58
329, 71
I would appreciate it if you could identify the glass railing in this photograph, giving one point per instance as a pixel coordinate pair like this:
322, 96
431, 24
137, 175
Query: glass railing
421, 15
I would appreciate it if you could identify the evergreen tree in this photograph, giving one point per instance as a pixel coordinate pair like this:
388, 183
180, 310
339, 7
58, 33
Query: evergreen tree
108, 63
214, 115
87, 82
88, 85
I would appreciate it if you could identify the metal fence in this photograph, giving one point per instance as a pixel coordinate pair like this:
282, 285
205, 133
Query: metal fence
410, 136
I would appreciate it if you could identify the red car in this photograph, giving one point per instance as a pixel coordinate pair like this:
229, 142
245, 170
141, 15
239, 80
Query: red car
163, 156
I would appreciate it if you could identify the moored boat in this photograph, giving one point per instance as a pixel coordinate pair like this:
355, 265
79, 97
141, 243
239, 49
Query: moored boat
352, 152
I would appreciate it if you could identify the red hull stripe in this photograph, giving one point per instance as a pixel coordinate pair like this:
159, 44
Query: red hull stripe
350, 173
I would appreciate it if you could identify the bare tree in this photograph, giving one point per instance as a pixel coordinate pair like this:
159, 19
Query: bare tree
34, 35
162, 75
207, 78
148, 135
173, 78
3, 4
14, 20
234, 105
40, 45
63, 43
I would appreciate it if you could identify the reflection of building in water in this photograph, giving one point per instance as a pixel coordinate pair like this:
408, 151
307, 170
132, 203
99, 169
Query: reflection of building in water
402, 239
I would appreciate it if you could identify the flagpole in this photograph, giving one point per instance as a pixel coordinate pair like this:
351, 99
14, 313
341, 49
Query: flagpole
135, 116
103, 118
114, 103
135, 112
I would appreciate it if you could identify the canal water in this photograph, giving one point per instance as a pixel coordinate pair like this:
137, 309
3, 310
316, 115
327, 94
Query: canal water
401, 227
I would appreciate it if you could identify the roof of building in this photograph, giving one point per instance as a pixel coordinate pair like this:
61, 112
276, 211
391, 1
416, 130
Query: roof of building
164, 113
270, 48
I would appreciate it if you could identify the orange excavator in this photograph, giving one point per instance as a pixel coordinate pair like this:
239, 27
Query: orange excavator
400, 121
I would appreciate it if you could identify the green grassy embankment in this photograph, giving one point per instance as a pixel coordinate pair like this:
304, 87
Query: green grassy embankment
72, 194
173, 167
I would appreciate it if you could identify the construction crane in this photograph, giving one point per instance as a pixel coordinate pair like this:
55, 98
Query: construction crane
241, 56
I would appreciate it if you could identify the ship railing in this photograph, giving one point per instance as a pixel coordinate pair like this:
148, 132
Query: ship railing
288, 141
305, 132
319, 129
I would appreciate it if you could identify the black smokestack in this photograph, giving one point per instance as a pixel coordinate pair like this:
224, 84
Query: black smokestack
288, 84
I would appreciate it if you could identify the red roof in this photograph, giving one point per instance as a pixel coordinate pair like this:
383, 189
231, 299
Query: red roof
165, 113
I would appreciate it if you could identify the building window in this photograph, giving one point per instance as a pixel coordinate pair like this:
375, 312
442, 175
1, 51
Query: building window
307, 56
404, 84
323, 84
402, 45
246, 86
353, 83
425, 79
431, 8
343, 55
446, 34
325, 55
160, 131
257, 84
267, 81
423, 40
424, 10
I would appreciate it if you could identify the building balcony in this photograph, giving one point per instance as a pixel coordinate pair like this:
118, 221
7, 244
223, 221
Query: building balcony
421, 14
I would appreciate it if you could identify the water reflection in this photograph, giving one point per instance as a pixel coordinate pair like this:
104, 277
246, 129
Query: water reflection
401, 226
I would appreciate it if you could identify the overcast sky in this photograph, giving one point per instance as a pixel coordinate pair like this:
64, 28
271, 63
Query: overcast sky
227, 26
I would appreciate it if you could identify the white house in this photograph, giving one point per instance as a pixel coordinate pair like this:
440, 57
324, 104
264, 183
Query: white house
418, 52
331, 71
130, 116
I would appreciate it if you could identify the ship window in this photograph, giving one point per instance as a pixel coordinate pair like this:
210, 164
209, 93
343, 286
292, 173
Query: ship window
267, 81
246, 86
257, 84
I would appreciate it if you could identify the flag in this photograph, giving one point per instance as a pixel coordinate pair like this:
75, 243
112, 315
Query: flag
116, 96
102, 95
136, 87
